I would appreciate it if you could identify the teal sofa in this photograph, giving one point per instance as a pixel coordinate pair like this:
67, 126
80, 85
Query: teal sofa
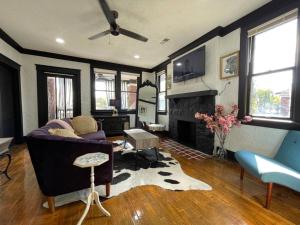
283, 169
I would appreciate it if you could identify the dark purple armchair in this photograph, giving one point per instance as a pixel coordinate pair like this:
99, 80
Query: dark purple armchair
53, 156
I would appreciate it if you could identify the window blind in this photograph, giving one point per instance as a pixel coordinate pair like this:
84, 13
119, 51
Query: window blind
273, 23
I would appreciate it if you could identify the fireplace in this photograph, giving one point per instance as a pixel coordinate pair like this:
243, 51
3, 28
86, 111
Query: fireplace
183, 126
187, 133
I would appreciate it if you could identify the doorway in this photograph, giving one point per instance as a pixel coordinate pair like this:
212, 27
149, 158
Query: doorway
10, 100
58, 93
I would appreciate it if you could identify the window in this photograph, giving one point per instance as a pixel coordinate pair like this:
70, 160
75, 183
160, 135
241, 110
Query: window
60, 97
104, 90
128, 91
162, 104
272, 68
58, 93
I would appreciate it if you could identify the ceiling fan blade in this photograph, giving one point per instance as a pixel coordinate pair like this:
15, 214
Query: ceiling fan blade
108, 13
99, 35
133, 35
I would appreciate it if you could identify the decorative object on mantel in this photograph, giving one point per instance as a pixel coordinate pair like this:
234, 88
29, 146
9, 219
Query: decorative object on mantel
229, 65
221, 123
113, 103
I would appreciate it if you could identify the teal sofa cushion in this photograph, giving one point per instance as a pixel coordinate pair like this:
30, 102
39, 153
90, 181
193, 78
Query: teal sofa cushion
283, 169
269, 170
289, 151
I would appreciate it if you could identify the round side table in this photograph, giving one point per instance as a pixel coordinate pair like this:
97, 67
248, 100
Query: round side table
91, 160
5, 152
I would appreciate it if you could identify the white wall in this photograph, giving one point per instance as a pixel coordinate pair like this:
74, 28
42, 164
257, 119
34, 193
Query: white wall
10, 52
29, 83
148, 76
259, 139
29, 87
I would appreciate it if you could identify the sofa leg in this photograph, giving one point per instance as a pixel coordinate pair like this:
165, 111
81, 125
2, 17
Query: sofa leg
269, 195
51, 204
107, 188
242, 173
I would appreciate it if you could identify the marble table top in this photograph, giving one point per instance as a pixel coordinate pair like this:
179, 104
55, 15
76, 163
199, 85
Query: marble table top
4, 144
91, 159
141, 139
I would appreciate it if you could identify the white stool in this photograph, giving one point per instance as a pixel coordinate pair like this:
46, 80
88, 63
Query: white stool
92, 160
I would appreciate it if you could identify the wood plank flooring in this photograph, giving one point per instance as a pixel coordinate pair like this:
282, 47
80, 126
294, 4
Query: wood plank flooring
230, 202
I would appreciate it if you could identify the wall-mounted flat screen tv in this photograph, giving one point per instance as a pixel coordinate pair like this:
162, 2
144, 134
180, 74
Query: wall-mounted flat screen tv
189, 66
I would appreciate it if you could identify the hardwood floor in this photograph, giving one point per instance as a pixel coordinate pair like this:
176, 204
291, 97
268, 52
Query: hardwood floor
230, 202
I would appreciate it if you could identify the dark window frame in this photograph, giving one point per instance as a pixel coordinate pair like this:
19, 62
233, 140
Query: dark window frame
251, 74
158, 74
42, 71
103, 110
119, 71
292, 123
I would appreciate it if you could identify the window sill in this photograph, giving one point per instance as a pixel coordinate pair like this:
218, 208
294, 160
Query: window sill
275, 123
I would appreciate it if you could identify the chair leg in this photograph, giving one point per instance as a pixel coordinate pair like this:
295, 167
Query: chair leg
242, 173
51, 204
269, 195
107, 189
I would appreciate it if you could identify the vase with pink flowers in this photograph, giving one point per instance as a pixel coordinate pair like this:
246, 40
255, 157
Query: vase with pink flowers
221, 123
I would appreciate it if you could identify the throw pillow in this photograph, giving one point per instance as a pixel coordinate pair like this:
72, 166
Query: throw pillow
62, 123
63, 133
84, 125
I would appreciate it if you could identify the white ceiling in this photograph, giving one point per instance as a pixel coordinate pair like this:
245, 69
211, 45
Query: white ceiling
35, 24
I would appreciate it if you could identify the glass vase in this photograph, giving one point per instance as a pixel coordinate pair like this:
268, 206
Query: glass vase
221, 152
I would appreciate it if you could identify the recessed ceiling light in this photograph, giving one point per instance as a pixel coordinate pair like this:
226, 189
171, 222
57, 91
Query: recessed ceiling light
136, 56
179, 64
60, 40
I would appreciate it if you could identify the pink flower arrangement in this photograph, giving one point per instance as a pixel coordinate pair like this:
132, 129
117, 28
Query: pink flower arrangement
221, 123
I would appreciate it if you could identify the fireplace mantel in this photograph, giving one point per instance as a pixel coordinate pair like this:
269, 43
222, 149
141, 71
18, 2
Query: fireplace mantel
194, 94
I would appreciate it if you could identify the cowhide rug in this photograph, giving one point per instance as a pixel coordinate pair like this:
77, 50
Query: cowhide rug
130, 172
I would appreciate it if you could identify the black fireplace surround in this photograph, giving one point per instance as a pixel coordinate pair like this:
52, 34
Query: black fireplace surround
183, 126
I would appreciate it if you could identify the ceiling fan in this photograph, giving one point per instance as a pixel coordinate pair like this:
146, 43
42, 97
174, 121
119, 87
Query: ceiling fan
115, 29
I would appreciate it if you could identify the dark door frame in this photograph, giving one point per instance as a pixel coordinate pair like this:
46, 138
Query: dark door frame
15, 68
42, 93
